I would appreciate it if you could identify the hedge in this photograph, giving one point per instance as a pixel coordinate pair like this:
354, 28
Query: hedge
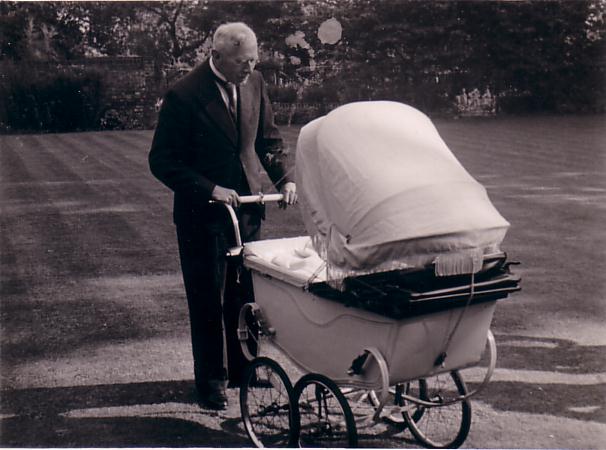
53, 100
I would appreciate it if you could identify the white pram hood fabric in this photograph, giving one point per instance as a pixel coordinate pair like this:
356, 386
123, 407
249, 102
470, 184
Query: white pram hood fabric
380, 191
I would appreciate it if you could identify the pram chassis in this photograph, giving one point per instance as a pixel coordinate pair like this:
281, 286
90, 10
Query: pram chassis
386, 358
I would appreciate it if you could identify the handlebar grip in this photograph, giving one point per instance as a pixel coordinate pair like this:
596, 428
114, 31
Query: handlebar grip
260, 198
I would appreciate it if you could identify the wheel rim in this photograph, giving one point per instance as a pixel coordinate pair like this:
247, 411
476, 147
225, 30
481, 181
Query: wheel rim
324, 416
265, 402
440, 426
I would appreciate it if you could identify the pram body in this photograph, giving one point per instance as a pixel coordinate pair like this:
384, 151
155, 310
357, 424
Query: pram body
326, 335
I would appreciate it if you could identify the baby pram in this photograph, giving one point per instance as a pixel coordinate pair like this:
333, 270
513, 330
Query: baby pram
377, 337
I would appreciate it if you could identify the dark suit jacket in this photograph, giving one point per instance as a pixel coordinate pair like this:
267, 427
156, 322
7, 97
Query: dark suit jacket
196, 144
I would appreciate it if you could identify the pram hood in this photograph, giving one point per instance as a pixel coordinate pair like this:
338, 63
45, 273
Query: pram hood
380, 191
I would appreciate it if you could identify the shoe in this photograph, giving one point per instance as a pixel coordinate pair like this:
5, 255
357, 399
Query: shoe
211, 394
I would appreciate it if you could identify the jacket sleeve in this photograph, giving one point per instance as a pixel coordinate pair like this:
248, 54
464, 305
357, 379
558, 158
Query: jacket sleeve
270, 145
170, 154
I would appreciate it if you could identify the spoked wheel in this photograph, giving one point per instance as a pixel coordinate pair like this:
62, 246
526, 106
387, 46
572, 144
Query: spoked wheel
395, 406
266, 401
445, 426
324, 416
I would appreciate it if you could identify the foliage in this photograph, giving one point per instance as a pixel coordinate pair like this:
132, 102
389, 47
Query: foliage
282, 94
48, 100
533, 55
37, 30
320, 94
435, 49
537, 50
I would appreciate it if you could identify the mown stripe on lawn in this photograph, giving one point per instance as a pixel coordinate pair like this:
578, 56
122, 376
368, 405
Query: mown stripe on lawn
125, 209
131, 153
535, 142
12, 167
140, 181
90, 217
150, 223
43, 242
78, 152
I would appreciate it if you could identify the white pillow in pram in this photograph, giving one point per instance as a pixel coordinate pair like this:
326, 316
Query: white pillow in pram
380, 190
291, 259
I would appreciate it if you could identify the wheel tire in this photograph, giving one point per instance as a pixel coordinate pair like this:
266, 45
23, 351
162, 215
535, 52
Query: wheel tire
440, 426
324, 417
266, 403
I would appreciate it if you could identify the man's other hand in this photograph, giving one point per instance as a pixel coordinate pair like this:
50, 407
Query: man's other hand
289, 191
225, 195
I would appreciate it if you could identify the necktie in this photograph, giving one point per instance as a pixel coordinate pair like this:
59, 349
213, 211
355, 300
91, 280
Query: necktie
232, 96
248, 157
232, 93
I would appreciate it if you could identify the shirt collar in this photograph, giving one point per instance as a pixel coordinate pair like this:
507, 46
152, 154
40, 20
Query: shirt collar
218, 74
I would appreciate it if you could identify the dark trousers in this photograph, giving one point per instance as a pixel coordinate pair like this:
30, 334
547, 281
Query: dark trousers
216, 289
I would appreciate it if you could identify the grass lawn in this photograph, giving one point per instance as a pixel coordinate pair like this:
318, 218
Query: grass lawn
84, 206
93, 310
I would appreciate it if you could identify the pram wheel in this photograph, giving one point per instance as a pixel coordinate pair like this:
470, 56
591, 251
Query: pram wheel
444, 426
324, 417
394, 408
266, 402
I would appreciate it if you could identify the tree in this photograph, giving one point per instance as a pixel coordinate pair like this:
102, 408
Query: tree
548, 54
38, 30
536, 52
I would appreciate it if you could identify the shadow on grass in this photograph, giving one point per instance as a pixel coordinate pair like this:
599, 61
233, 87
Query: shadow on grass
581, 367
581, 402
159, 414
550, 354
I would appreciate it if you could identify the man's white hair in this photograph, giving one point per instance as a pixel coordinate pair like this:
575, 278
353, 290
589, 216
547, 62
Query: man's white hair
231, 35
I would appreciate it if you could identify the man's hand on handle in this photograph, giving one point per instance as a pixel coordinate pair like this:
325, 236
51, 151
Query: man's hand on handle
225, 195
289, 191
231, 197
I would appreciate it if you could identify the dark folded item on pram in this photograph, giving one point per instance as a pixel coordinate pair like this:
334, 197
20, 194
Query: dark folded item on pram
407, 293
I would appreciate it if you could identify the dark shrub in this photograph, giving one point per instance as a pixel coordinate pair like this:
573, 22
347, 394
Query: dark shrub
47, 99
305, 113
325, 93
516, 103
282, 94
282, 113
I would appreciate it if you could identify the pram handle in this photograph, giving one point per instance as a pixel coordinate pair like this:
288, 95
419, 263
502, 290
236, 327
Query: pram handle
245, 199
260, 198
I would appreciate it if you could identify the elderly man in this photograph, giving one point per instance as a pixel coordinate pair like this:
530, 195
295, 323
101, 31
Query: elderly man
214, 137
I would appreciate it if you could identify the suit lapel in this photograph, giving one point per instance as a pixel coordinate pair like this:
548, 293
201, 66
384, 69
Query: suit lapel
247, 112
212, 101
220, 115
249, 123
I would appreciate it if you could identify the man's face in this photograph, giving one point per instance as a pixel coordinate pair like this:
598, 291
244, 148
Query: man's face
237, 63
